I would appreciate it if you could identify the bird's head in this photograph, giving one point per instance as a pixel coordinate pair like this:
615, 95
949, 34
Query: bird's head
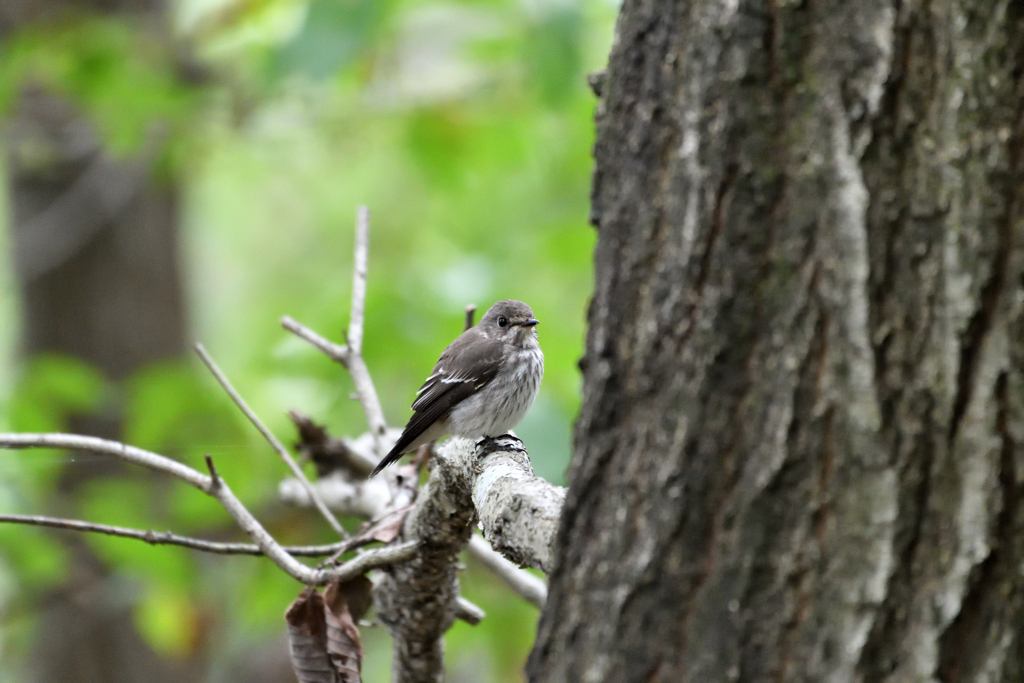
510, 321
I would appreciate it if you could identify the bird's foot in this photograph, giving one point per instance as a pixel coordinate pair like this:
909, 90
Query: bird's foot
486, 446
516, 446
504, 442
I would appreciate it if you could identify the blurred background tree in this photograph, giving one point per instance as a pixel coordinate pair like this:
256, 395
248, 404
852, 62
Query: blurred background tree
190, 170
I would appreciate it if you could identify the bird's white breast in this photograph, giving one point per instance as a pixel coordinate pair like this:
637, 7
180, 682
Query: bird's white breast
503, 403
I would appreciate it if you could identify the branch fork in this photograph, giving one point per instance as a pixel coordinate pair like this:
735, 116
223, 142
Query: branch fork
416, 592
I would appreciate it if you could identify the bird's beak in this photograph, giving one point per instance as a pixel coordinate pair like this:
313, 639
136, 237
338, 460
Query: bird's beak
529, 323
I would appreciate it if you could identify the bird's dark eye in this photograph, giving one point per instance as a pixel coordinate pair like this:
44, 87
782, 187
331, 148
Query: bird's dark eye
502, 322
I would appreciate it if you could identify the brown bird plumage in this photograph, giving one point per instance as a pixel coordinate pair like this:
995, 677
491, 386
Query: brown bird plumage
482, 385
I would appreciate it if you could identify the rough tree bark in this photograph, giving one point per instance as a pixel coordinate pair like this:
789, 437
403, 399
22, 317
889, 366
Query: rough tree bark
797, 458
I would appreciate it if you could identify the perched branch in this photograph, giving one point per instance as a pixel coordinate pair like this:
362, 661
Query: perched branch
222, 493
271, 439
371, 499
470, 311
168, 538
519, 512
416, 600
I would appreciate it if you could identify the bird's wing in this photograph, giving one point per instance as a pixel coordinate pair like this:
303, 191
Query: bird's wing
465, 367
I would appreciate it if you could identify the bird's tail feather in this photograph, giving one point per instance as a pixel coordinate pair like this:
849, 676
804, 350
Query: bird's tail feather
396, 453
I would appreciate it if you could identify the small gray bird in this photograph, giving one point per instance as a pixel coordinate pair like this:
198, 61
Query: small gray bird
483, 384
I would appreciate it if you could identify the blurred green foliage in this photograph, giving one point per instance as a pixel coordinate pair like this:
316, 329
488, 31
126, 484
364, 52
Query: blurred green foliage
466, 127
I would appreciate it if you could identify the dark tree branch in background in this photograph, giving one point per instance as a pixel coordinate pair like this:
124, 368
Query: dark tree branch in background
61, 230
327, 452
470, 314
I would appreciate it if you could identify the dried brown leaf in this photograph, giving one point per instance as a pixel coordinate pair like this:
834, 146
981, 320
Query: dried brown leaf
346, 602
384, 530
307, 639
388, 528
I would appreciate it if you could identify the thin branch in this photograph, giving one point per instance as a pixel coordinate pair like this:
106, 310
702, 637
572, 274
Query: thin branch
362, 251
249, 524
214, 477
468, 611
470, 311
136, 456
371, 559
272, 440
365, 390
335, 352
168, 538
351, 356
525, 584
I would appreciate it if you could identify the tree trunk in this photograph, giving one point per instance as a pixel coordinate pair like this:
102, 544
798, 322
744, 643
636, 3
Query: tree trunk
95, 253
797, 455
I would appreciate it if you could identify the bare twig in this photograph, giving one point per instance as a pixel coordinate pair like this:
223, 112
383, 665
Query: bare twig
335, 352
468, 612
168, 538
214, 477
371, 559
365, 390
470, 311
525, 584
271, 439
362, 252
351, 356
222, 493
92, 444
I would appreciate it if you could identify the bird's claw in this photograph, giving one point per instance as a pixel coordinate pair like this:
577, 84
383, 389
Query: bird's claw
488, 445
